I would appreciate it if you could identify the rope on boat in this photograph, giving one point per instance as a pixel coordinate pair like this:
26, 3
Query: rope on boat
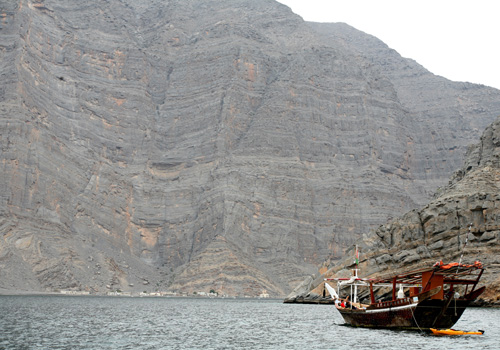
413, 315
463, 249
460, 261
454, 297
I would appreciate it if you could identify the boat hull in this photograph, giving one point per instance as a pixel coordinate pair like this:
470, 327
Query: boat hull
423, 315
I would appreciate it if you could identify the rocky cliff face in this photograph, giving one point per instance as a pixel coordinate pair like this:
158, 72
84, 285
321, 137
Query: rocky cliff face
196, 145
440, 230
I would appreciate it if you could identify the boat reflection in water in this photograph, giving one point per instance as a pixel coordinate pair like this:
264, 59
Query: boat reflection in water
434, 297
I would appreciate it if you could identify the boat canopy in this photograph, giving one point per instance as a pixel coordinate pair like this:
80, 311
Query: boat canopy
453, 273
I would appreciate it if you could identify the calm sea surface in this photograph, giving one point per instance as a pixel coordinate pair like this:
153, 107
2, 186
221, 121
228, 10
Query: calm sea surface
61, 322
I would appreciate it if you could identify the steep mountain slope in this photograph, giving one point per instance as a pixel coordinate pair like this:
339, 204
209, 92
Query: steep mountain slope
195, 145
440, 230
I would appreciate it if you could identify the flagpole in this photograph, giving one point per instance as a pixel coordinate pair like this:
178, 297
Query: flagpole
357, 260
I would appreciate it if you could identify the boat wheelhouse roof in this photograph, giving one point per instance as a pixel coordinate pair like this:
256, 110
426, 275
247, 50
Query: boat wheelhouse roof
453, 273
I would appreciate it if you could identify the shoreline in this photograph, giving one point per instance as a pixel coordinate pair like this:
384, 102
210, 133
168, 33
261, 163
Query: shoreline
9, 292
6, 292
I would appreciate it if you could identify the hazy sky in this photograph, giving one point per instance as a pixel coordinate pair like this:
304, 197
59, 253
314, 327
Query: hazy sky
458, 39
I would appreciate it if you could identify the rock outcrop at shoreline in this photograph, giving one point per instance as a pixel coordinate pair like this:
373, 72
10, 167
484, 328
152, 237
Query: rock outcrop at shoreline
191, 145
440, 230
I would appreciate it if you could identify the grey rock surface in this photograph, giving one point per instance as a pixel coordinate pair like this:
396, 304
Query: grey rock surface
195, 145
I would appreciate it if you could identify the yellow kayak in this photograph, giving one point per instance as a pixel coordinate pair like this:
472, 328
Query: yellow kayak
454, 332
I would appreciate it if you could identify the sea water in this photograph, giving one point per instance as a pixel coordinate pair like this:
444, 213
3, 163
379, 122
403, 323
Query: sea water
66, 322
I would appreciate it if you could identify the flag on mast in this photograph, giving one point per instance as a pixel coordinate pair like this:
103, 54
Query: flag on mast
357, 255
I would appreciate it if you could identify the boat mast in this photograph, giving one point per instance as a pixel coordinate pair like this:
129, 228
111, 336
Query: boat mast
356, 261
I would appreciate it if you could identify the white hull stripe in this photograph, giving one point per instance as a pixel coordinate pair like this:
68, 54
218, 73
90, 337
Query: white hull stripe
391, 309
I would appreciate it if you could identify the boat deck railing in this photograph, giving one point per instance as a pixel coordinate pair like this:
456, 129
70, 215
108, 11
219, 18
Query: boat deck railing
393, 303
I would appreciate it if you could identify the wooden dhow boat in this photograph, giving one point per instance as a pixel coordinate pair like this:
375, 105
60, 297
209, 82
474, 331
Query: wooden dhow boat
434, 297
